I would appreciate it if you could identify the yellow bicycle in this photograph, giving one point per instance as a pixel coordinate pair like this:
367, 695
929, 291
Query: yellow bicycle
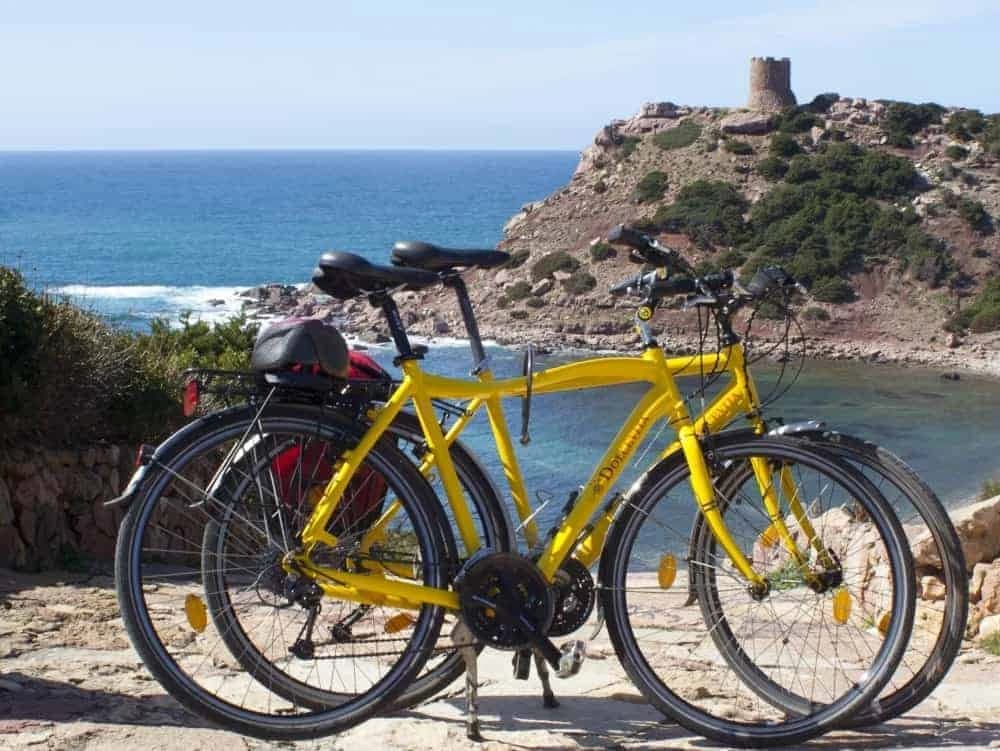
805, 580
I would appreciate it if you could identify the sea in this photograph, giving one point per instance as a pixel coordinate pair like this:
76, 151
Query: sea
135, 236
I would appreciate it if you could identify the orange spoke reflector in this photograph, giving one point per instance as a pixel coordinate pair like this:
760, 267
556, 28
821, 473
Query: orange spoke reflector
197, 616
667, 571
884, 621
769, 537
398, 622
841, 605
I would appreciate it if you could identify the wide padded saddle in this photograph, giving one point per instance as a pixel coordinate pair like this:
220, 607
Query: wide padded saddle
420, 255
300, 341
346, 275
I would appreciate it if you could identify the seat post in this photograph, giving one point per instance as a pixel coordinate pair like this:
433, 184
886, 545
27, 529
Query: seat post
397, 330
479, 360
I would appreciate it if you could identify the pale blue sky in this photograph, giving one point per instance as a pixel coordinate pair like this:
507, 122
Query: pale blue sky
219, 74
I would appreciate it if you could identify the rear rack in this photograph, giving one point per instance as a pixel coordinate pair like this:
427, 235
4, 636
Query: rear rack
206, 389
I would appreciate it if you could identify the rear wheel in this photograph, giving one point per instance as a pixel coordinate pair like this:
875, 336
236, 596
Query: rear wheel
810, 647
171, 555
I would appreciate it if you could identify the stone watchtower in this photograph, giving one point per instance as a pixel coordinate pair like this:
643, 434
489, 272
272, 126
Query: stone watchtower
770, 84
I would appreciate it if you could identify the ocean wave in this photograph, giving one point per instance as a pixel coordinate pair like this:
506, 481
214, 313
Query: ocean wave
147, 301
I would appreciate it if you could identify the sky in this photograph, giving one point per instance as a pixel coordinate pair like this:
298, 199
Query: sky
545, 74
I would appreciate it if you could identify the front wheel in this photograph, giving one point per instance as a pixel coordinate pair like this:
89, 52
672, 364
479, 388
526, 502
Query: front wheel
817, 646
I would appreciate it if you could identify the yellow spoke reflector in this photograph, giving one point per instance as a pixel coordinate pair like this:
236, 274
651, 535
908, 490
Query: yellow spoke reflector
196, 613
769, 537
884, 621
667, 571
841, 605
398, 622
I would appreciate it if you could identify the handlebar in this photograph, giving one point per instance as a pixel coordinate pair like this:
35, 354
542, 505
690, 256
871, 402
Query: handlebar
651, 283
646, 249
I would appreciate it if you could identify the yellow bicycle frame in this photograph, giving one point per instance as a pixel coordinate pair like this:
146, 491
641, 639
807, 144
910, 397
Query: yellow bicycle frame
663, 400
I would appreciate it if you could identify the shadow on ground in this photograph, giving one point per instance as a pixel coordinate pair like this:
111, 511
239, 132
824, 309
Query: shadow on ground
42, 700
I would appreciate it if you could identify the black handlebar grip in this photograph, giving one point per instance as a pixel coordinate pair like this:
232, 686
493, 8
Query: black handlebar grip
717, 281
675, 285
622, 235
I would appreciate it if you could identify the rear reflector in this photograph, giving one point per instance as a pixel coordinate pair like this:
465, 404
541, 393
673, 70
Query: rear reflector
190, 398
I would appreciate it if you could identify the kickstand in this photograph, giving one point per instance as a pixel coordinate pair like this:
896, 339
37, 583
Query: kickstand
522, 671
462, 638
542, 668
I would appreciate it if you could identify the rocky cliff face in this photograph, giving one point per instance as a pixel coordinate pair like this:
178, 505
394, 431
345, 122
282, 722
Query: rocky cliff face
638, 165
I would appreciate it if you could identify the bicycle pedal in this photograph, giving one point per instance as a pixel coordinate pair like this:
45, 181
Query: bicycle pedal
522, 664
572, 657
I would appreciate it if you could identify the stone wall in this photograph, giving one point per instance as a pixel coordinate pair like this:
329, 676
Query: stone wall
52, 504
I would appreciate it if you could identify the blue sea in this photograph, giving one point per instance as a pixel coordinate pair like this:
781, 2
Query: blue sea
139, 235
136, 234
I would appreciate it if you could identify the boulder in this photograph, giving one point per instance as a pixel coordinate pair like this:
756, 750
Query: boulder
659, 109
747, 123
989, 592
932, 588
542, 287
978, 527
989, 625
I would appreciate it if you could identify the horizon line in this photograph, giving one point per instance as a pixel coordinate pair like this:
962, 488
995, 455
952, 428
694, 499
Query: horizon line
244, 149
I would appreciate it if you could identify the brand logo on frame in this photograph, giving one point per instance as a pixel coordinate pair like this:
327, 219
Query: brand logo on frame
610, 470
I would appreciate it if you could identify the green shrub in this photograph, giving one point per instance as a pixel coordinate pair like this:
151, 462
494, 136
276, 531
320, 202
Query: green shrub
67, 377
796, 120
600, 187
550, 263
772, 168
601, 251
784, 144
832, 212
651, 187
986, 308
832, 289
730, 259
966, 124
991, 643
517, 291
629, 145
517, 258
709, 212
822, 102
814, 313
991, 135
956, 152
685, 133
740, 148
990, 488
579, 283
903, 119
974, 214
988, 320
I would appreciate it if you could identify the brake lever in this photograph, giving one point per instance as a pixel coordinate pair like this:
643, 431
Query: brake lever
696, 300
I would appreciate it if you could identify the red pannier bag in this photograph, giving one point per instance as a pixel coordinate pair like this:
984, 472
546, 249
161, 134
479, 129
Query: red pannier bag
301, 483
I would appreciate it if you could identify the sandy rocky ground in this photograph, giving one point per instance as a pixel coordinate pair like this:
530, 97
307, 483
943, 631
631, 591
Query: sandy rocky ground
70, 680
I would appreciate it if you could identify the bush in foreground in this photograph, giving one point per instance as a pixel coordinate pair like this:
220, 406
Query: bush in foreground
67, 377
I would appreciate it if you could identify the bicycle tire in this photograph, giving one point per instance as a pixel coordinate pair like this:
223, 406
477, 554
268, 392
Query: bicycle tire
770, 730
409, 487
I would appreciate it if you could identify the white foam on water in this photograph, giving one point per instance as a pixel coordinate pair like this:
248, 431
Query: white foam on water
154, 300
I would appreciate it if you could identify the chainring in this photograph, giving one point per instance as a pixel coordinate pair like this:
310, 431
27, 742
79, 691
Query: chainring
575, 598
496, 591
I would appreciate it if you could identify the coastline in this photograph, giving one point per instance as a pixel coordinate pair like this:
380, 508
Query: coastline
438, 320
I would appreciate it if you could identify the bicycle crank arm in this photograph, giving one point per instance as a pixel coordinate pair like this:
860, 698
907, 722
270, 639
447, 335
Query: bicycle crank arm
566, 660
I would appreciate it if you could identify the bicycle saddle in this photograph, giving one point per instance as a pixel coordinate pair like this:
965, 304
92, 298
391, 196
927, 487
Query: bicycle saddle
421, 255
344, 275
